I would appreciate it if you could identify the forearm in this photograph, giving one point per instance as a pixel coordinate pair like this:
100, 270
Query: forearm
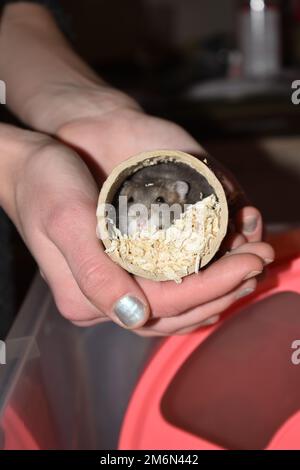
48, 84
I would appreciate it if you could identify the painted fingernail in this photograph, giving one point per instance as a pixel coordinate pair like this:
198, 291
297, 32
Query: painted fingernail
250, 224
252, 274
130, 311
245, 292
268, 261
211, 321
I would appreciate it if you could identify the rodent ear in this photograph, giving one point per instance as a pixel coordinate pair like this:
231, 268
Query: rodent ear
182, 188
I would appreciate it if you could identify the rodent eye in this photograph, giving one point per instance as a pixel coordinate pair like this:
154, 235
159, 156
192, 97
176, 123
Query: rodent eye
130, 199
160, 199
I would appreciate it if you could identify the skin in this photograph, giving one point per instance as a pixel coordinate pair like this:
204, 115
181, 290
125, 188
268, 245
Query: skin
49, 185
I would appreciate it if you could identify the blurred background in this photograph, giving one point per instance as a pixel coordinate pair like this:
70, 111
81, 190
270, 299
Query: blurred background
222, 69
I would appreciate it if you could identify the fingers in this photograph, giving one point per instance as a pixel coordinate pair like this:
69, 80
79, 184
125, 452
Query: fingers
207, 314
76, 307
202, 315
210, 321
221, 277
233, 241
86, 324
110, 290
249, 223
263, 250
69, 299
71, 227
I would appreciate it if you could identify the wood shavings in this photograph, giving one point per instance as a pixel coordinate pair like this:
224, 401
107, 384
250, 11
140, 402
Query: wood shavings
171, 252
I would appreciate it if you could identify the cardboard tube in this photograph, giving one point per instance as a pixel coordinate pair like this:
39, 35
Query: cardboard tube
123, 171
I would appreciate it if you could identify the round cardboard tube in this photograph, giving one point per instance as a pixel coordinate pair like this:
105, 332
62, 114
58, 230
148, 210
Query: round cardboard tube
133, 164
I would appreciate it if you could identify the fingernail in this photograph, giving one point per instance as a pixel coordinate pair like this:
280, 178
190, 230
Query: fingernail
211, 321
268, 261
252, 274
130, 311
245, 292
250, 224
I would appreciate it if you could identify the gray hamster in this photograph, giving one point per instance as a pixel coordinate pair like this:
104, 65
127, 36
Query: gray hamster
153, 189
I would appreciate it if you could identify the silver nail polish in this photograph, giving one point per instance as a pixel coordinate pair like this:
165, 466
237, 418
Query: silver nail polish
130, 311
250, 224
211, 320
245, 292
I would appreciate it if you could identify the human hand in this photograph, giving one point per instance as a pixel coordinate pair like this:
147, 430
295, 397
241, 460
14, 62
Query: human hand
51, 197
107, 140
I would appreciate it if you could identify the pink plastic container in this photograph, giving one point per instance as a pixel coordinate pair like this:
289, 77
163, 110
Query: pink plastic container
233, 385
17, 435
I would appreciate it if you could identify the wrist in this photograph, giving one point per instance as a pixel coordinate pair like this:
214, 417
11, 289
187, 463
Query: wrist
60, 104
55, 86
15, 147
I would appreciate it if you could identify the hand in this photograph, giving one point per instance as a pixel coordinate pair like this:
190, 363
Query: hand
104, 142
50, 195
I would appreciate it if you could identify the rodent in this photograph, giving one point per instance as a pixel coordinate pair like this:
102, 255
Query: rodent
163, 183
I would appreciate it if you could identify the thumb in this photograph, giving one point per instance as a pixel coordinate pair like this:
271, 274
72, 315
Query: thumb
71, 227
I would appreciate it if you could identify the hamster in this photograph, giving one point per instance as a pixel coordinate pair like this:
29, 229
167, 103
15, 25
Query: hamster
151, 191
